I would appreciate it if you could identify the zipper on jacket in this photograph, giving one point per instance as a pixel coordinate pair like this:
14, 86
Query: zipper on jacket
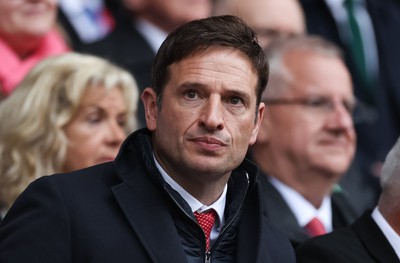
208, 252
237, 212
208, 257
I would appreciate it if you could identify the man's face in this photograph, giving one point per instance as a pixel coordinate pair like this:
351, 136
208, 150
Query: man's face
208, 116
21, 18
268, 18
310, 136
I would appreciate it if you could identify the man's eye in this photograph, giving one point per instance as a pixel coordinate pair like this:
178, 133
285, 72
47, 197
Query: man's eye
191, 94
235, 100
318, 102
349, 106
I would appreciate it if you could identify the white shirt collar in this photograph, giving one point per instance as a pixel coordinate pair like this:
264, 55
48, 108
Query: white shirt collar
390, 234
195, 205
340, 2
302, 209
338, 10
76, 6
153, 34
3, 213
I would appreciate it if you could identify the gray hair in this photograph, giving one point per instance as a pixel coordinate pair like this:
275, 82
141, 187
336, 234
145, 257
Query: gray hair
390, 175
280, 75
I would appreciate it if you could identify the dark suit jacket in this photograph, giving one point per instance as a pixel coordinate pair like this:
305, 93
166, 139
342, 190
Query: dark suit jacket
126, 47
362, 242
121, 212
375, 137
279, 213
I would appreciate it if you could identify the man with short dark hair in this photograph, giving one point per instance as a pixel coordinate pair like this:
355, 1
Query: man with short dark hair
180, 190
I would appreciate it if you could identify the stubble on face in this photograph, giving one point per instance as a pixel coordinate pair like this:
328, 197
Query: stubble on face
206, 121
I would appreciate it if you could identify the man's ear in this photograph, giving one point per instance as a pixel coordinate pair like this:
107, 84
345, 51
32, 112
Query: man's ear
257, 124
264, 131
149, 100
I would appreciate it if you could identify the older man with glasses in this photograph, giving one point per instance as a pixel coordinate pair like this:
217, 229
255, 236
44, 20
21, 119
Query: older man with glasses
306, 141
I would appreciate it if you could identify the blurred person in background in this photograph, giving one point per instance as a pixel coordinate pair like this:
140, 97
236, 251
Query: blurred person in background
368, 33
28, 34
269, 18
71, 111
87, 21
373, 237
134, 43
272, 19
306, 141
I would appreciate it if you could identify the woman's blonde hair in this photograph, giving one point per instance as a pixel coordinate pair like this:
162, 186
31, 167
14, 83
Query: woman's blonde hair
32, 140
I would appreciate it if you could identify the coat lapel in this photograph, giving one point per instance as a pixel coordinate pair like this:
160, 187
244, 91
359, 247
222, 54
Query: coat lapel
342, 213
279, 213
374, 240
143, 205
248, 242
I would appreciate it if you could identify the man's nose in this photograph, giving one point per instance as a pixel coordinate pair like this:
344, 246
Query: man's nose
341, 116
211, 116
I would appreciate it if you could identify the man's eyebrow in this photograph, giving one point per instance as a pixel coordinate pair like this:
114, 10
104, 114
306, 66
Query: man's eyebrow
232, 91
227, 91
237, 92
192, 85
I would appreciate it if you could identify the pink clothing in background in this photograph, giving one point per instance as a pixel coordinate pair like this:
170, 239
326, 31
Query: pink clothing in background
13, 69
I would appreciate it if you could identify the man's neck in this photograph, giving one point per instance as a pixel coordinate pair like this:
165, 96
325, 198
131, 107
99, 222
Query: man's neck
206, 190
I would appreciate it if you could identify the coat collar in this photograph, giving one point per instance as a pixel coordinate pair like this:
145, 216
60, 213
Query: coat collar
374, 240
143, 202
279, 212
150, 218
282, 216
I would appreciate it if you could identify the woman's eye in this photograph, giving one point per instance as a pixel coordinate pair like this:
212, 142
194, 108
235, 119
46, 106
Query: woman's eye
122, 121
93, 118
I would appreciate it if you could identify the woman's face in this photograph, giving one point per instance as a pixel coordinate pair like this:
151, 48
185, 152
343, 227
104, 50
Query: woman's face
22, 19
96, 132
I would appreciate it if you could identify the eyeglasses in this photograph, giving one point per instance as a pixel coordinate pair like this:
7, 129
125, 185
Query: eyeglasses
360, 112
318, 104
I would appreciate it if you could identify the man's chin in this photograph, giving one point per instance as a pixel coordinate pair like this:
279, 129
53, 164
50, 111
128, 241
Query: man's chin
211, 168
335, 166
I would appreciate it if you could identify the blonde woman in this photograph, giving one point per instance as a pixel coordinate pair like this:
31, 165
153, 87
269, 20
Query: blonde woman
70, 112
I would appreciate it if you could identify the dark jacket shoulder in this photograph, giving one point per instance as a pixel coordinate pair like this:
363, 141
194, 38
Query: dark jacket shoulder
362, 242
